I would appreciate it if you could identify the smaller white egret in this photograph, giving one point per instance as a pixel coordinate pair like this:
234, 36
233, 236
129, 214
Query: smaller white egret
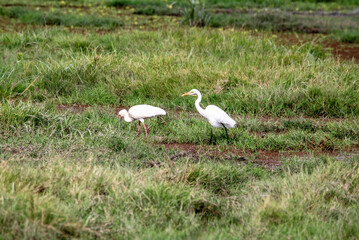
215, 116
140, 113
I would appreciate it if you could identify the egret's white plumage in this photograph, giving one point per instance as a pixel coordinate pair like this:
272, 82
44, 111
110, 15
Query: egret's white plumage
215, 116
140, 113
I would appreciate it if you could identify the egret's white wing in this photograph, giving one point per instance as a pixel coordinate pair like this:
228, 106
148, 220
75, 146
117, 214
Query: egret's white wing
145, 111
217, 116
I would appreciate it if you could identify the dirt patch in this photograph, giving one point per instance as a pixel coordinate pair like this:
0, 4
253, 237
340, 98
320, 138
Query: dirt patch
11, 25
104, 31
265, 158
340, 50
219, 153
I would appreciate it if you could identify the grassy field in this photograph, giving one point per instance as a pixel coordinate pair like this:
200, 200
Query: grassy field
337, 18
290, 169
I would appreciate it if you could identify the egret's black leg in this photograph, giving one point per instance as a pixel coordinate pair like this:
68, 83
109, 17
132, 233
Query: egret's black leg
210, 140
226, 132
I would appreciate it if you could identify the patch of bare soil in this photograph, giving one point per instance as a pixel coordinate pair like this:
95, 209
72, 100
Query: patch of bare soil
195, 152
9, 25
264, 158
340, 50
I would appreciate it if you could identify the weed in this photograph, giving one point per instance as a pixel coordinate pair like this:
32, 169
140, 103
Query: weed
195, 14
348, 36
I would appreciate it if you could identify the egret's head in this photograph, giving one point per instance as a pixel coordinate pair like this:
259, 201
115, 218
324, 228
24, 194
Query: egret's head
122, 113
191, 93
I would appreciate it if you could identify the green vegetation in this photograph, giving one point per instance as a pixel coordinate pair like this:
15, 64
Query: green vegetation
74, 175
57, 18
283, 21
290, 169
282, 4
275, 15
240, 72
308, 17
195, 15
351, 36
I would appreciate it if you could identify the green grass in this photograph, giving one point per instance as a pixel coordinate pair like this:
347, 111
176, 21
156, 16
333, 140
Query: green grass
282, 4
74, 175
282, 21
66, 171
237, 71
90, 198
297, 134
348, 36
116, 14
57, 18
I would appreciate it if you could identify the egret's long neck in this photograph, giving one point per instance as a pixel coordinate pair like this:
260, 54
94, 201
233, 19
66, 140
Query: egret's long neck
198, 107
127, 117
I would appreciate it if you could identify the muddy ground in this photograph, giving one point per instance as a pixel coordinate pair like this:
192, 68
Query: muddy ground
266, 158
340, 50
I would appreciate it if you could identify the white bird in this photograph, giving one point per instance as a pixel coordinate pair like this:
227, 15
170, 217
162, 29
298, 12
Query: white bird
215, 116
140, 113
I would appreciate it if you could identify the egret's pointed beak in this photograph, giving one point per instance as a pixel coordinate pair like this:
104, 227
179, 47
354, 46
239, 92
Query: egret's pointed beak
186, 94
119, 122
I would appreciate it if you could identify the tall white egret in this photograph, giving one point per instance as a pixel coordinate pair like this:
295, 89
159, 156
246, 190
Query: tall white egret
215, 116
140, 113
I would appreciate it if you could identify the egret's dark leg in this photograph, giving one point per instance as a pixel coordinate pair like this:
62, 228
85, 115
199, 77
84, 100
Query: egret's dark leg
210, 140
226, 132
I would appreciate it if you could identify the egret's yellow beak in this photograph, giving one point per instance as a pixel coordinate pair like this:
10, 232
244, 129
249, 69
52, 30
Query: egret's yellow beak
186, 94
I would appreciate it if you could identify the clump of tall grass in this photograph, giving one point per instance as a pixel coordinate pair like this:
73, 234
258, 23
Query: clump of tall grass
21, 116
7, 87
348, 35
57, 18
195, 14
